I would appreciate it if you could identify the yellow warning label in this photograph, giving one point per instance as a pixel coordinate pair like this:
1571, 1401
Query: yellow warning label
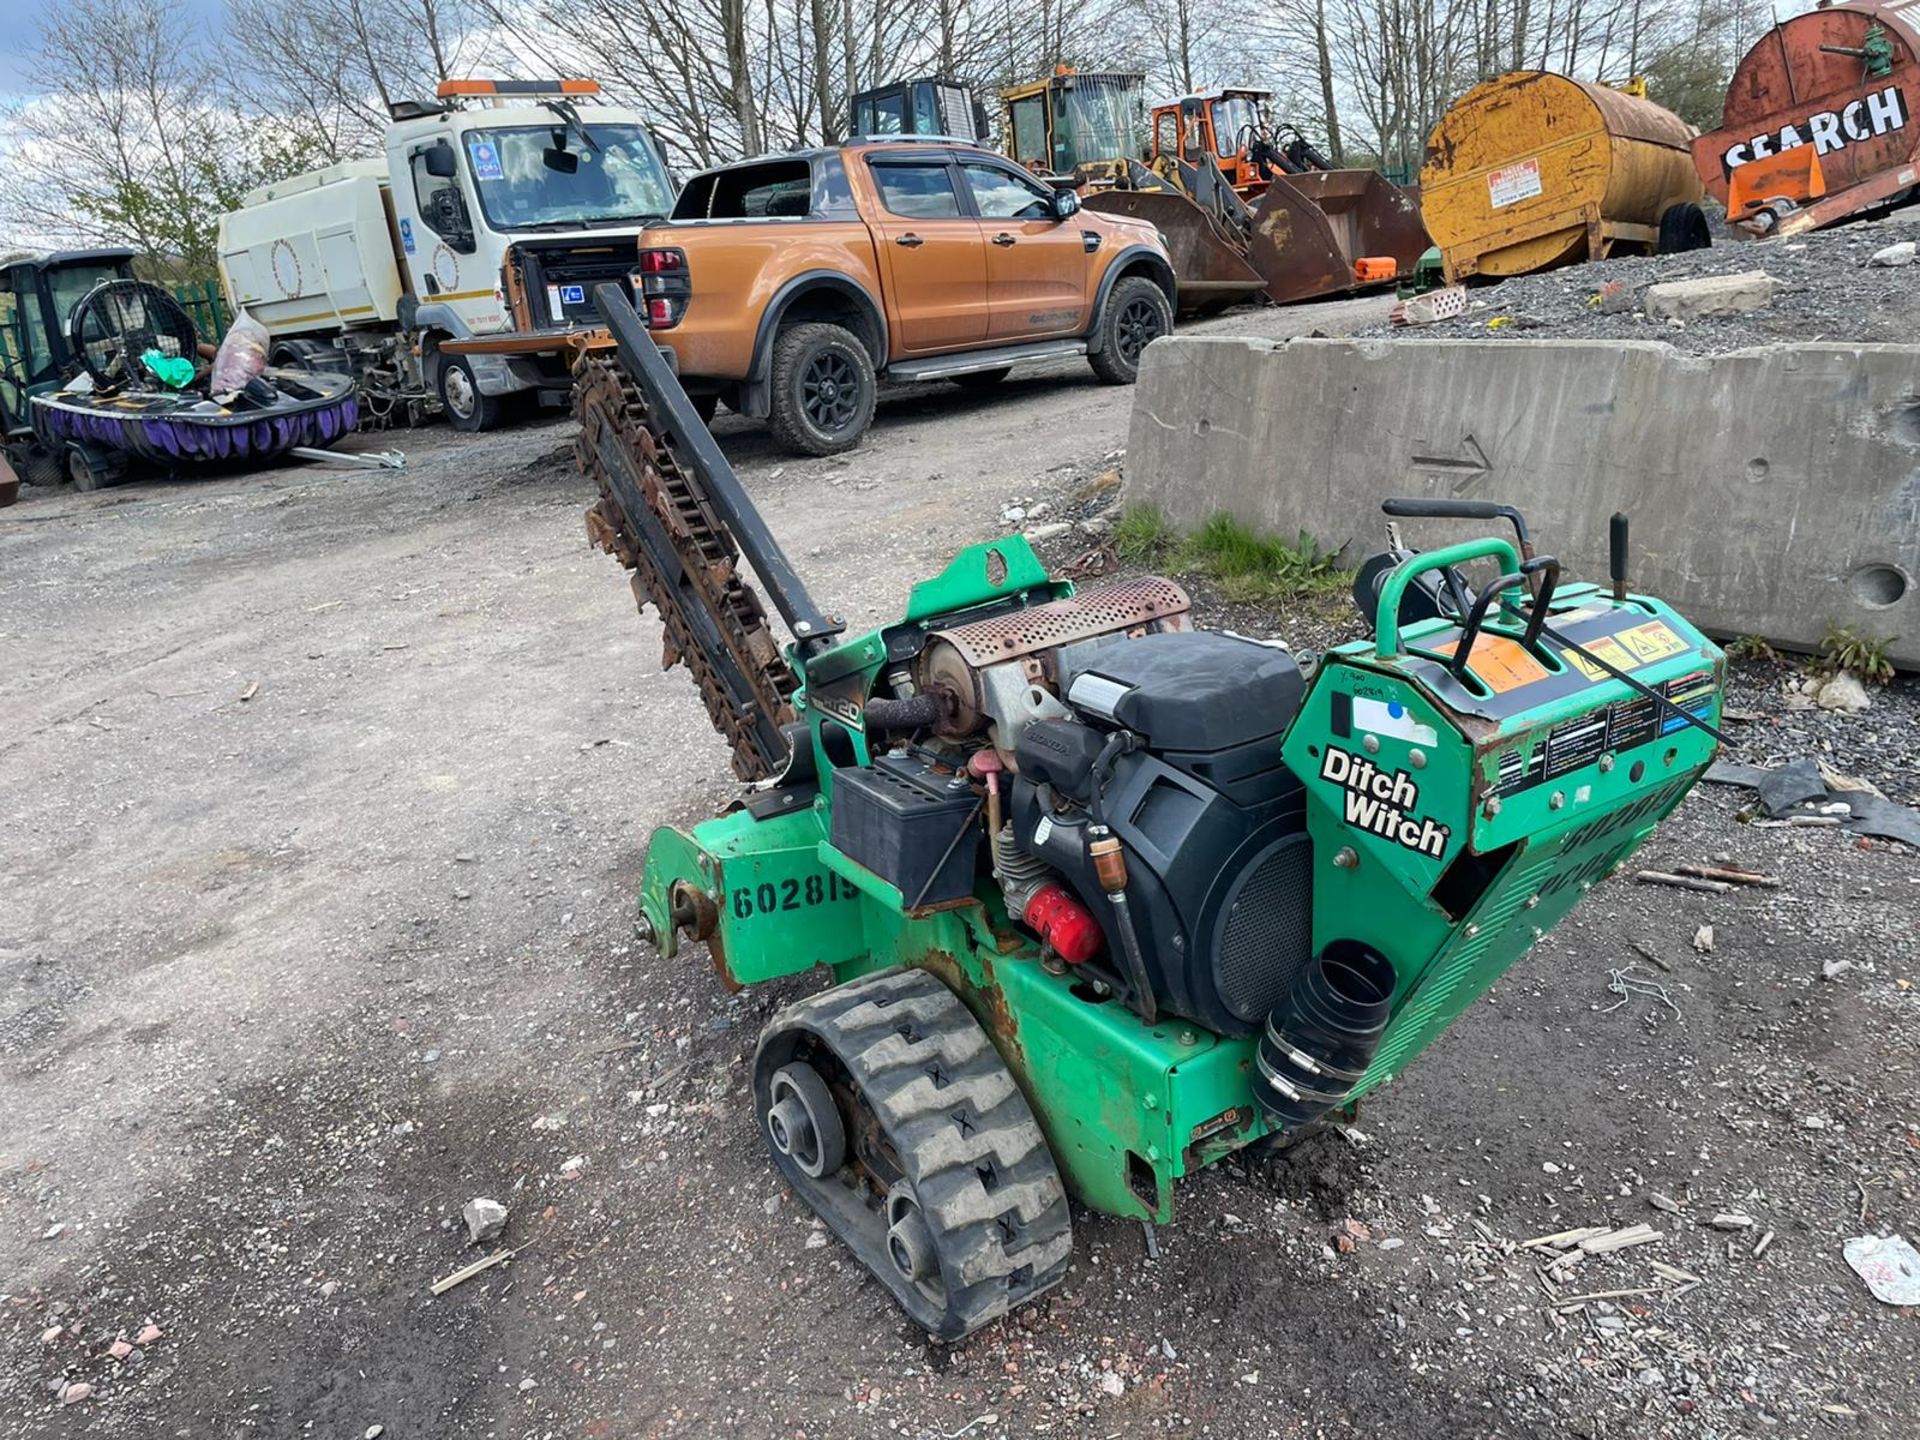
1628, 649
1501, 664
1607, 649
1652, 641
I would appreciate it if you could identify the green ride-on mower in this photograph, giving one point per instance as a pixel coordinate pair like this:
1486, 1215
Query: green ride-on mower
38, 294
1105, 898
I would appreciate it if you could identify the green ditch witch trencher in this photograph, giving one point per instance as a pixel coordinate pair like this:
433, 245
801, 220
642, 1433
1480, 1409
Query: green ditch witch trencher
1105, 898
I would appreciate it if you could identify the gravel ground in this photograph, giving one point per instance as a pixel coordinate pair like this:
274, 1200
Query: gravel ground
326, 797
1826, 291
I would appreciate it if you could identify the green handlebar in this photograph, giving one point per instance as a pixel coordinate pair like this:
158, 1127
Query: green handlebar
1386, 626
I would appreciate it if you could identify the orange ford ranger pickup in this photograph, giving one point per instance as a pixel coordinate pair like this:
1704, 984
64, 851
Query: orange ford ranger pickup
789, 286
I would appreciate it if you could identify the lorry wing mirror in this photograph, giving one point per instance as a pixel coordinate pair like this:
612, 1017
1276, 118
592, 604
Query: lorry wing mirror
1066, 204
442, 163
560, 159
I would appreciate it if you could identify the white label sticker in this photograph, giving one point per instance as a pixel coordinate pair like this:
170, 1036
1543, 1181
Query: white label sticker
486, 160
1511, 184
553, 301
1390, 717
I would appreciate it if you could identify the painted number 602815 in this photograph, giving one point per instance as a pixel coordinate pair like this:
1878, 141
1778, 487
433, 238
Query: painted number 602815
792, 893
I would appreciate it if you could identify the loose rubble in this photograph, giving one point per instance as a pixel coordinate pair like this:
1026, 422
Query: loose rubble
1822, 287
486, 1220
1709, 297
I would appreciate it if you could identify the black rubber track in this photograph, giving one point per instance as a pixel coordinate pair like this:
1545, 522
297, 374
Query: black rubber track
962, 1135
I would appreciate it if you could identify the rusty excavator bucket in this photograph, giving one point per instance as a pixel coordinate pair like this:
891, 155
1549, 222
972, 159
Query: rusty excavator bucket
1327, 232
1207, 243
1319, 233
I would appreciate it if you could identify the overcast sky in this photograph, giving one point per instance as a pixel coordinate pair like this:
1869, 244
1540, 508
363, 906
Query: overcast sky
19, 37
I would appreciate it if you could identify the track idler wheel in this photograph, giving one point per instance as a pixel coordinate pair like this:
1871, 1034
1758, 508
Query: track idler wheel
803, 1123
909, 1241
888, 1110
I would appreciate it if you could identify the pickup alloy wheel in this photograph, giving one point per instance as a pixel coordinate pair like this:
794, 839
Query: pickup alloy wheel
823, 389
1137, 314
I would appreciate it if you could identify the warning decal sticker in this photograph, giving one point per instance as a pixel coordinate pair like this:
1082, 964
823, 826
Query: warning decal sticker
1692, 692
1618, 728
1628, 649
1511, 184
1501, 664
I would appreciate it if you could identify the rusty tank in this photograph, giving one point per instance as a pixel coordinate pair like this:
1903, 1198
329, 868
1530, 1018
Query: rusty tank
1819, 121
1530, 170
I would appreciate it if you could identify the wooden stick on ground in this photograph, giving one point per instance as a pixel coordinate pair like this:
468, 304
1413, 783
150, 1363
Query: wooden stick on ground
466, 1273
1732, 876
1682, 882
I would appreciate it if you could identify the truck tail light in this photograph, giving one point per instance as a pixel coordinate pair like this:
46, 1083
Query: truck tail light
665, 287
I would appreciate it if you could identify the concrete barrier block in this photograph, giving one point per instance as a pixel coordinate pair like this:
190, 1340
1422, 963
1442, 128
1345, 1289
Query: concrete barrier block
1772, 491
1710, 295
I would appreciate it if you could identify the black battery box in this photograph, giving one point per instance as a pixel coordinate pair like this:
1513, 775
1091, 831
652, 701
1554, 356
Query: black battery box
915, 827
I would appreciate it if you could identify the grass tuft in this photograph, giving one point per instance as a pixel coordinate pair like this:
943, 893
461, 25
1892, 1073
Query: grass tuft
1252, 568
1861, 656
1249, 568
1143, 534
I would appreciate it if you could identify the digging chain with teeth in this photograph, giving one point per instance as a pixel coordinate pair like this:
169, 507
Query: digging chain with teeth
618, 430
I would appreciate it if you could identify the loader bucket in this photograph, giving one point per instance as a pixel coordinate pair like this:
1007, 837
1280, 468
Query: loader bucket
1210, 269
1310, 230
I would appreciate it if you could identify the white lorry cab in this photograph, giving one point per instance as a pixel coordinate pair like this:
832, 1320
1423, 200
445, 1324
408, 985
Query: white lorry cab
459, 270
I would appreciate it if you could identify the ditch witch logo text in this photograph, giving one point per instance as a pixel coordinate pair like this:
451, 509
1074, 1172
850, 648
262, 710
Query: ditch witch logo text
1853, 123
1378, 802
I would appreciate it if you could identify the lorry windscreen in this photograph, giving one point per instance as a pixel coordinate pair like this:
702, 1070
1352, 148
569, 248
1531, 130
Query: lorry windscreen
521, 187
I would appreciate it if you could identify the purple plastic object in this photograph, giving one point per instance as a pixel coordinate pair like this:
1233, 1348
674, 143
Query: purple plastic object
163, 429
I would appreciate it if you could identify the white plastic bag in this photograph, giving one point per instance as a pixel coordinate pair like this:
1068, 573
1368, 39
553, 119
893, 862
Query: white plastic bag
242, 355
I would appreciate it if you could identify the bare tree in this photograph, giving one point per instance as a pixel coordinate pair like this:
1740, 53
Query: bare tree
146, 127
329, 69
133, 141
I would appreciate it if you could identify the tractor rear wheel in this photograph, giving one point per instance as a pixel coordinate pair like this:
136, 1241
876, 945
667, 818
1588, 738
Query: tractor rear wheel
931, 1167
37, 465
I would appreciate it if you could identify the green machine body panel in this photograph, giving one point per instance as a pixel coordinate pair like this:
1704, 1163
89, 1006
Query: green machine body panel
1127, 1107
1455, 814
1455, 822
